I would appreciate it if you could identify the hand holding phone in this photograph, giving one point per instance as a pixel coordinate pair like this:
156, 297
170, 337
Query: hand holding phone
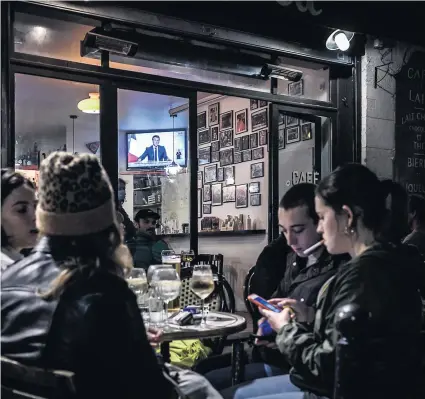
262, 303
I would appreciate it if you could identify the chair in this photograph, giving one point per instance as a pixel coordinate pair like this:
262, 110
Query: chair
246, 292
19, 381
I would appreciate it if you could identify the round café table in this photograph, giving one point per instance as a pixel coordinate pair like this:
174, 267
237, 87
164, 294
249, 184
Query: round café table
218, 324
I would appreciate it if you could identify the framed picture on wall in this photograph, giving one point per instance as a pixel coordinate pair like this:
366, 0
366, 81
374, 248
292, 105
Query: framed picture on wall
207, 192
257, 170
246, 156
238, 143
215, 146
229, 175
206, 209
213, 114
202, 120
226, 120
229, 193
241, 196
238, 157
281, 137
210, 173
199, 203
204, 136
306, 132
291, 121
281, 120
253, 140
259, 119
216, 194
226, 157
254, 187
292, 134
253, 104
215, 156
262, 137
220, 174
226, 138
255, 199
245, 142
214, 133
200, 180
241, 118
204, 155
296, 88
262, 103
258, 153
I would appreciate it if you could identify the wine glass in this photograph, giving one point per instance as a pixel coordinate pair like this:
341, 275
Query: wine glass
168, 285
137, 281
202, 285
152, 269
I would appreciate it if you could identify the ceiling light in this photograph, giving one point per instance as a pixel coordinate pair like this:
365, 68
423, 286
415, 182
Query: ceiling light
90, 105
276, 71
339, 40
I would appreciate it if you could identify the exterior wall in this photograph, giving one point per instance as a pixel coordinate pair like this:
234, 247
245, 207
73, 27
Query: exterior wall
378, 105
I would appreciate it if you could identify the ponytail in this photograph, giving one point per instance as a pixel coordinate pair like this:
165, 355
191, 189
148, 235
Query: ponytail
395, 222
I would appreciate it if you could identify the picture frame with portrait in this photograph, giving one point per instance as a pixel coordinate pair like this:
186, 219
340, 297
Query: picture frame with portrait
200, 179
226, 138
260, 119
246, 156
215, 156
241, 118
253, 104
204, 155
202, 120
215, 146
281, 137
292, 134
253, 140
241, 196
238, 144
262, 137
229, 175
291, 120
213, 114
258, 153
226, 120
216, 194
204, 136
210, 174
306, 132
255, 199
226, 157
254, 187
257, 170
245, 142
296, 88
207, 192
220, 174
237, 157
229, 193
214, 133
206, 208
262, 103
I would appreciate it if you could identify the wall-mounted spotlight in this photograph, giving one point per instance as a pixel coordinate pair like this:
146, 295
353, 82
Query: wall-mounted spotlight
275, 71
339, 40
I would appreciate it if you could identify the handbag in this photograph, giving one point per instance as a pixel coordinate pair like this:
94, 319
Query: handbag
188, 384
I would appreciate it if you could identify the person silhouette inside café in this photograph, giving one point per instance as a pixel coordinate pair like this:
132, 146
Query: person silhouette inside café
129, 228
416, 223
155, 152
302, 280
146, 248
382, 278
67, 306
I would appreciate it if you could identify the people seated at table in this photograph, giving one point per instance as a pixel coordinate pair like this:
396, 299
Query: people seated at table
66, 306
302, 280
382, 278
146, 248
18, 232
417, 223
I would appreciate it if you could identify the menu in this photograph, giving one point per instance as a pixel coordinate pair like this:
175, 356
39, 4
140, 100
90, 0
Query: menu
409, 162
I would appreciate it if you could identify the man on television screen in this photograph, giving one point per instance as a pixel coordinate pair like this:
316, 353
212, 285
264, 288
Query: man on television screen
155, 152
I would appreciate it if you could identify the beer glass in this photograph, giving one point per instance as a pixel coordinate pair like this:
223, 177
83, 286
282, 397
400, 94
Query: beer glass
169, 257
202, 285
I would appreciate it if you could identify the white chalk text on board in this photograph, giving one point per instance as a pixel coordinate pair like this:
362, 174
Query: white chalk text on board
303, 177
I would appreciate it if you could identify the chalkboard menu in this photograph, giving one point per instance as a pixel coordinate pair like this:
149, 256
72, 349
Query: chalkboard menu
409, 163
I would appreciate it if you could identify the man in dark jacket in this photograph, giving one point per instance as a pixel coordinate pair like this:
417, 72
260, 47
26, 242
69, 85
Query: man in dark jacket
147, 247
417, 223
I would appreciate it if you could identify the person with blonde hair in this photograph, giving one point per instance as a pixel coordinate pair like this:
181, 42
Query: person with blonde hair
67, 306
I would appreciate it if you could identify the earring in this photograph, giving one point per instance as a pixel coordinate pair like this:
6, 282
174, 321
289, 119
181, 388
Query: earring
348, 231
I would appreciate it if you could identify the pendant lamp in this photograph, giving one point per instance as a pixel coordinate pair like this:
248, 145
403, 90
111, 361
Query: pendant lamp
90, 105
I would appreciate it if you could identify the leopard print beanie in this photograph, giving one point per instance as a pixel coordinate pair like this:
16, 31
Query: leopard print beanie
75, 196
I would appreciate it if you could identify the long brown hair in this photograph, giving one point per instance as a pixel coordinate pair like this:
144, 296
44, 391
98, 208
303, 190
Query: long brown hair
83, 255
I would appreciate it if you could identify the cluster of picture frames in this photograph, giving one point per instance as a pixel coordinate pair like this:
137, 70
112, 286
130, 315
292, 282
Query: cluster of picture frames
292, 130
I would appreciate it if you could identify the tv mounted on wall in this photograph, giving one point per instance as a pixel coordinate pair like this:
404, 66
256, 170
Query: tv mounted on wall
156, 149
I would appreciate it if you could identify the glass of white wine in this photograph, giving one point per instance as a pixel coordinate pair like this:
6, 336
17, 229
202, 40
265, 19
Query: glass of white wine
167, 283
137, 281
202, 285
152, 269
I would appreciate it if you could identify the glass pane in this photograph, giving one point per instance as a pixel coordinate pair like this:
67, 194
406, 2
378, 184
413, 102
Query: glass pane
43, 107
50, 38
187, 73
154, 161
313, 85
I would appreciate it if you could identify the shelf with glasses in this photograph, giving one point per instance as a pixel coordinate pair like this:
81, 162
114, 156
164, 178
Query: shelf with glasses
147, 188
233, 233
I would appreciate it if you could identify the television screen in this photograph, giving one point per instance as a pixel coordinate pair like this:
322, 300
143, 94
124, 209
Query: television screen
156, 149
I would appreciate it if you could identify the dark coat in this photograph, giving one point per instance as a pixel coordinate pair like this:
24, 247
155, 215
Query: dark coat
94, 329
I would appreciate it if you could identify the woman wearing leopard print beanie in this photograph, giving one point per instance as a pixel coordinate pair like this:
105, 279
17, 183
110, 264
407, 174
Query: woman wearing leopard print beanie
66, 306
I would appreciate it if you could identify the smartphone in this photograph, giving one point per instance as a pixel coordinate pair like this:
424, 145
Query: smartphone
262, 303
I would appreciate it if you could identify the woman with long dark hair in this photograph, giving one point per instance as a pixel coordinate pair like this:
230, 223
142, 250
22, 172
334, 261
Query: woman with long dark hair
364, 217
66, 306
18, 231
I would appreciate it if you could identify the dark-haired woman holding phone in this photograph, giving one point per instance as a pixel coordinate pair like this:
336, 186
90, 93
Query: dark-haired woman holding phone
366, 218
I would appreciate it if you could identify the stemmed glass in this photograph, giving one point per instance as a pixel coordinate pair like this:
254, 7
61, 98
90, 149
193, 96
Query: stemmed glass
153, 268
167, 283
202, 285
137, 282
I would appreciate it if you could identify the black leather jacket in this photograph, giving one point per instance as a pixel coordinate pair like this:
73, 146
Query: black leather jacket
95, 329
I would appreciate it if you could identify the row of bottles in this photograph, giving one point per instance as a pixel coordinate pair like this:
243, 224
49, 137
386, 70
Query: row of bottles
34, 156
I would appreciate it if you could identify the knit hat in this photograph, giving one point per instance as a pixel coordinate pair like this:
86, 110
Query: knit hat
75, 196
